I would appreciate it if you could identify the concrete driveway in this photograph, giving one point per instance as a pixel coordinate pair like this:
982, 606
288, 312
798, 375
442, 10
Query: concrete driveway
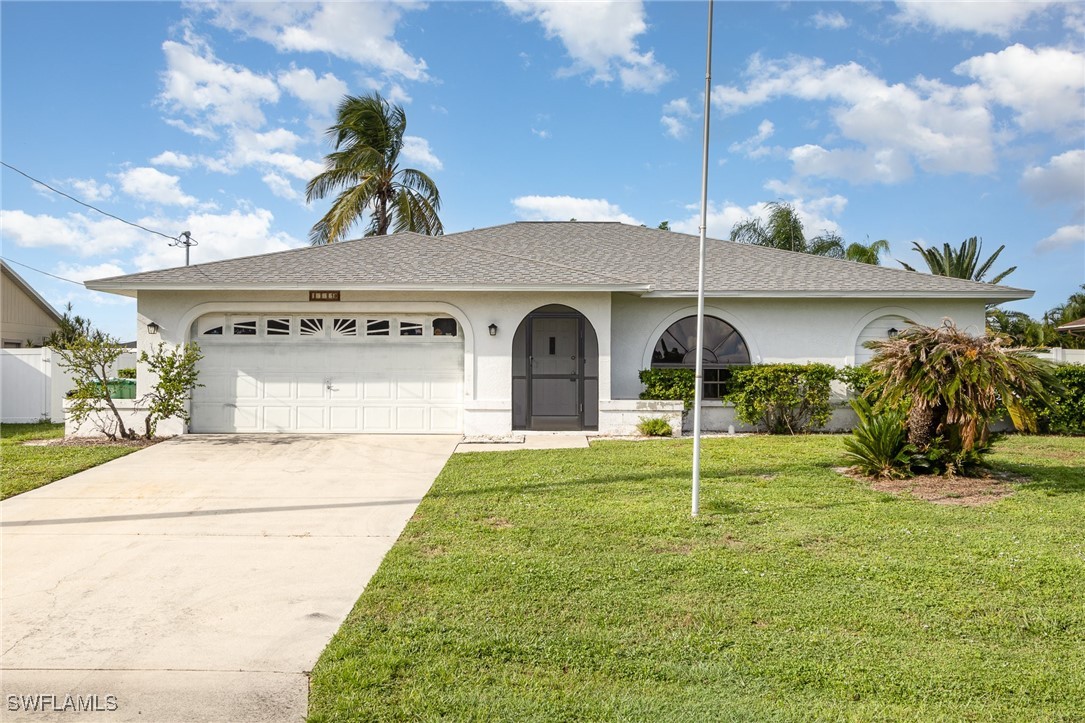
199, 579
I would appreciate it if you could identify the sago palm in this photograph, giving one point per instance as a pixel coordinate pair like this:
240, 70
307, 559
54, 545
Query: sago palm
364, 168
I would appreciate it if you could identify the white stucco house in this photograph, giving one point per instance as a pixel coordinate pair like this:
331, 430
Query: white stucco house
525, 326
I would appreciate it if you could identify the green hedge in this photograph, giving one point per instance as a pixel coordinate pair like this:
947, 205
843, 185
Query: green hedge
783, 398
668, 384
1067, 413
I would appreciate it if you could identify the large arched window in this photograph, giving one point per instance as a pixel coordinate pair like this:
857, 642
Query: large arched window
723, 349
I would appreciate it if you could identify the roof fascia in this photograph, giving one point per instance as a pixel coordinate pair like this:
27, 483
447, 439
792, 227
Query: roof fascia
130, 288
985, 294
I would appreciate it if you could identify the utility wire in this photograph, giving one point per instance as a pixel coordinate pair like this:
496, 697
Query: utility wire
81, 203
20, 263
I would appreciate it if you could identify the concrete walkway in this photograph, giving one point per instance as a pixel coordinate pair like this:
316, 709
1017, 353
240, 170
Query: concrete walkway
199, 579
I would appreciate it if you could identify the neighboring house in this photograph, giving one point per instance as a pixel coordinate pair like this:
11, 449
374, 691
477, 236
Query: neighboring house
26, 319
522, 326
1073, 327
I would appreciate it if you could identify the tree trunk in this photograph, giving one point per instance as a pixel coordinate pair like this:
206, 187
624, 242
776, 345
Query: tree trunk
922, 421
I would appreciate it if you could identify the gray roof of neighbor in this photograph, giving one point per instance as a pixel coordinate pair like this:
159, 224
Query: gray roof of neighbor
534, 255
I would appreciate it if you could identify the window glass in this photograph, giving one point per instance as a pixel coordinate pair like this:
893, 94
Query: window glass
212, 325
377, 327
723, 347
410, 328
244, 327
444, 327
311, 326
277, 327
344, 327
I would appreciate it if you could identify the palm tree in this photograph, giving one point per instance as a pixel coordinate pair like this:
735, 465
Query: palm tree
962, 263
364, 168
953, 383
784, 230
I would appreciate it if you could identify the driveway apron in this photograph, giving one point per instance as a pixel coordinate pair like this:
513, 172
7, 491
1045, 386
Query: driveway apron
198, 579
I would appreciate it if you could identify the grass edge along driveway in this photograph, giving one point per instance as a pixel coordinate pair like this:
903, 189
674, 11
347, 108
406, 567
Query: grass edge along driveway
25, 467
572, 585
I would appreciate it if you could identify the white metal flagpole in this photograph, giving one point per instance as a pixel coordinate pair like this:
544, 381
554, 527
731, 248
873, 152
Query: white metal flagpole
698, 393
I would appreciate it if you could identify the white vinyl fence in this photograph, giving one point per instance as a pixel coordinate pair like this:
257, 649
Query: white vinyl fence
33, 386
1064, 356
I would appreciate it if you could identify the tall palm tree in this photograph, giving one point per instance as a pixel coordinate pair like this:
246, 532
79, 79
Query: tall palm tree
962, 263
784, 230
364, 168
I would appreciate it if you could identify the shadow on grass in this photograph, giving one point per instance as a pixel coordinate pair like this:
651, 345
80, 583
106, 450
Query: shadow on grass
1052, 479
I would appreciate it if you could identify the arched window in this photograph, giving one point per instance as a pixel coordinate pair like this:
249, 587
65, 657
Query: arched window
723, 348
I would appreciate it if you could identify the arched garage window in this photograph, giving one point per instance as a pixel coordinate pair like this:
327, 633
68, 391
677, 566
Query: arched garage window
724, 348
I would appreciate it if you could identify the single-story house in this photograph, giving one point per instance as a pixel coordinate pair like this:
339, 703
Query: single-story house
524, 326
1073, 327
26, 319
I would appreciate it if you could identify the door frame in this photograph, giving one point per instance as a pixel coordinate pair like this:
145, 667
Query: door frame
529, 341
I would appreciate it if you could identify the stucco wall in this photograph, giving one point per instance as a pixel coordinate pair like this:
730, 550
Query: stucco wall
775, 330
487, 363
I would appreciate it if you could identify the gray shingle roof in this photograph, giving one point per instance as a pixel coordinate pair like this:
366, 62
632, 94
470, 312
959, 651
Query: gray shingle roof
606, 256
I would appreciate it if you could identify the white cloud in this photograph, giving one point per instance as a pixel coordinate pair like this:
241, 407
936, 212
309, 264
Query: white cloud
1045, 87
940, 128
544, 134
76, 233
1065, 237
829, 21
88, 189
416, 150
814, 214
169, 158
281, 187
362, 32
321, 94
886, 165
77, 272
988, 18
676, 115
1062, 179
271, 150
220, 236
563, 208
212, 92
601, 39
151, 184
752, 147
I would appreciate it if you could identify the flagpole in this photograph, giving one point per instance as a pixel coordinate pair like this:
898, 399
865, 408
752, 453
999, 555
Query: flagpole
698, 393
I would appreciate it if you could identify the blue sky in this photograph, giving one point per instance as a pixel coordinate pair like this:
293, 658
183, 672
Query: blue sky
926, 122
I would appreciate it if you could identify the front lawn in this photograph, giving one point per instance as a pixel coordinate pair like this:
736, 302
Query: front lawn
25, 467
572, 585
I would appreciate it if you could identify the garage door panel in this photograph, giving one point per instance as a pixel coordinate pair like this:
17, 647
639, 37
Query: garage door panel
340, 385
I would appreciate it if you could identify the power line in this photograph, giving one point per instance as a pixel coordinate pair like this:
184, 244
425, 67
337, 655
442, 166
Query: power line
28, 266
82, 203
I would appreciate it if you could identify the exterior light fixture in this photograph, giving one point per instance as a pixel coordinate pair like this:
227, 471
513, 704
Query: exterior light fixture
893, 333
493, 329
152, 328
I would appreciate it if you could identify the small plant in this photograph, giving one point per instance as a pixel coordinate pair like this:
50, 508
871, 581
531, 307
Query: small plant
129, 373
89, 358
783, 398
654, 427
878, 445
177, 377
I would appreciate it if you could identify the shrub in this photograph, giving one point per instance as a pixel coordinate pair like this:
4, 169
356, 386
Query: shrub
177, 377
1066, 414
88, 359
783, 398
878, 445
669, 384
126, 373
861, 381
654, 427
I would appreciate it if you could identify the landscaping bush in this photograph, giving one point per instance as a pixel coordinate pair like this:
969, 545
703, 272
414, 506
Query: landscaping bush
1066, 413
861, 381
669, 384
783, 398
128, 373
654, 427
878, 445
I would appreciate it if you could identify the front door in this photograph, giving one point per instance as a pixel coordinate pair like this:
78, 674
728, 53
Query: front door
555, 372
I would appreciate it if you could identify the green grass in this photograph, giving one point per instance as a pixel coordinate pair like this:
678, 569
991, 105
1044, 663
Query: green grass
573, 585
24, 468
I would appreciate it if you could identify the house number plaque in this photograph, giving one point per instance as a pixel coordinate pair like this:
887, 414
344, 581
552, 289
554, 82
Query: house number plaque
323, 296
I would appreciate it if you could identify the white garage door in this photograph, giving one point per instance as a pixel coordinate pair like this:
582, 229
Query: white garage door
332, 373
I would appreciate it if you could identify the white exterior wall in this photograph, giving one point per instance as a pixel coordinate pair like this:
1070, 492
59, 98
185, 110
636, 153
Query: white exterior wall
487, 362
775, 330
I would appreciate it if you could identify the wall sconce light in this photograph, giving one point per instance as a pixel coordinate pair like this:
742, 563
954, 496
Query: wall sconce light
493, 329
893, 333
153, 328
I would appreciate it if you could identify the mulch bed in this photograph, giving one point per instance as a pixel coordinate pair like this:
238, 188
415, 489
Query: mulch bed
957, 490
